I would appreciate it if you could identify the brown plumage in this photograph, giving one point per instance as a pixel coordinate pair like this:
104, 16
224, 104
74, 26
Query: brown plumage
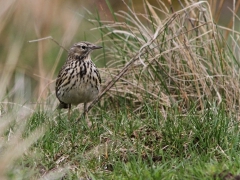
78, 80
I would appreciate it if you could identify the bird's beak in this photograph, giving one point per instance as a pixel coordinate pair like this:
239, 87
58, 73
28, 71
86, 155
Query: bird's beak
96, 47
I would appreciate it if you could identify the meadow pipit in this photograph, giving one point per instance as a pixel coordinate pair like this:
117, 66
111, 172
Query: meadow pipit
79, 80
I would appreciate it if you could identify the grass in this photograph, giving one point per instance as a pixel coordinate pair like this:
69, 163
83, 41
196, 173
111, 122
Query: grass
168, 109
127, 146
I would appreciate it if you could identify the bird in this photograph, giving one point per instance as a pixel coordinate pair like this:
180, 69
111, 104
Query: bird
78, 80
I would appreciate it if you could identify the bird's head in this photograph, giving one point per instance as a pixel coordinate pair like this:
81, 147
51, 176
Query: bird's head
83, 48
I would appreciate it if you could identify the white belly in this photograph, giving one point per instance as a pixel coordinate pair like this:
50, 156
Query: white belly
80, 95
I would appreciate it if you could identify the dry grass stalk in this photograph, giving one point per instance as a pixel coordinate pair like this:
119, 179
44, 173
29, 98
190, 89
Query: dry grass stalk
184, 62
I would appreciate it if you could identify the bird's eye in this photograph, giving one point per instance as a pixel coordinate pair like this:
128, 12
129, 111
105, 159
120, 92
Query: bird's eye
83, 47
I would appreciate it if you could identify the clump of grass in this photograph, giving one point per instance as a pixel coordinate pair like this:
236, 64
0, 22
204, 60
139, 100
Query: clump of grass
175, 58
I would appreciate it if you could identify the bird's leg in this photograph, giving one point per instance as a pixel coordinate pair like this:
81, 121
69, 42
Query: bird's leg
69, 111
85, 114
85, 110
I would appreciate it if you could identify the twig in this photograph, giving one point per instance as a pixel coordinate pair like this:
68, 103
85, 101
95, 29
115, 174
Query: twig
49, 37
